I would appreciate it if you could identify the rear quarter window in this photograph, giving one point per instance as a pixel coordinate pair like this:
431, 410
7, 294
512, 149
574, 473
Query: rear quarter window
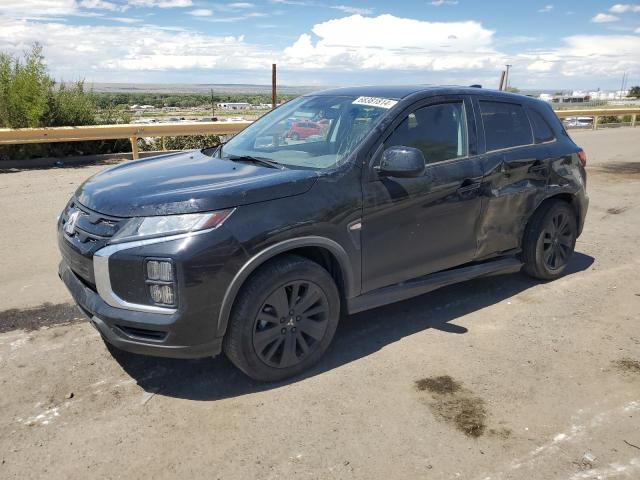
542, 131
505, 125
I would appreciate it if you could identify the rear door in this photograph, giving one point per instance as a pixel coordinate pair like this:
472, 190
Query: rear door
415, 226
516, 167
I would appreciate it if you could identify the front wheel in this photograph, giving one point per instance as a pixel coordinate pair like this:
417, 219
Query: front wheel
549, 240
283, 320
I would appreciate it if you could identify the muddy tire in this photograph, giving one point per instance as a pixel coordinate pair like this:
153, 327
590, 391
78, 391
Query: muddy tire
549, 240
283, 319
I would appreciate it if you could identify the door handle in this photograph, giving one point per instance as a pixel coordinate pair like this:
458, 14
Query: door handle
467, 187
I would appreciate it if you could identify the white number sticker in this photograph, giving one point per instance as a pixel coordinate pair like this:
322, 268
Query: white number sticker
375, 102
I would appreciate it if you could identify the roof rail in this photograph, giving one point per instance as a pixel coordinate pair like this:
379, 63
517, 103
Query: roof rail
475, 85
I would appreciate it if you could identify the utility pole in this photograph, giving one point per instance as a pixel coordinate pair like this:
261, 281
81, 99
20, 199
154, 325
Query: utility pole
274, 96
506, 77
213, 106
501, 84
624, 79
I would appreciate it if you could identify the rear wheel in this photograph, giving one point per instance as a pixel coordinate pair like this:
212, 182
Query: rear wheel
295, 137
549, 240
283, 320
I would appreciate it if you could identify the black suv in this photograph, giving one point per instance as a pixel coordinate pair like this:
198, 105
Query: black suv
257, 246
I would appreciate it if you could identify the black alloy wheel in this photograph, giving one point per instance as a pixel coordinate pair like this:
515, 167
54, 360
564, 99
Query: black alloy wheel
558, 239
290, 324
549, 240
283, 318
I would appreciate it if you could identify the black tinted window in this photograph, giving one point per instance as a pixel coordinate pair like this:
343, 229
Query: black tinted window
505, 125
440, 131
542, 132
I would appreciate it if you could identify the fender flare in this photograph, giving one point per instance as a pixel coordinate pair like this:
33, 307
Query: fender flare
281, 247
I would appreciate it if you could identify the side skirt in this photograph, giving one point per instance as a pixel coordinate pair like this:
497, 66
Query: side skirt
433, 281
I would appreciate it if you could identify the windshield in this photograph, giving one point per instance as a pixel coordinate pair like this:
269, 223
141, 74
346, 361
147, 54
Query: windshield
314, 132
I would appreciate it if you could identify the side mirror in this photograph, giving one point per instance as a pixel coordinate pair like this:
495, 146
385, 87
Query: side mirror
402, 162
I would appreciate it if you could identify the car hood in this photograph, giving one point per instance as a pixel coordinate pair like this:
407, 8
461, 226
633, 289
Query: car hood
187, 182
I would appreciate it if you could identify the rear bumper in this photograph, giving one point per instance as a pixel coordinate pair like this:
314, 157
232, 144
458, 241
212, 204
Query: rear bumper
583, 206
137, 332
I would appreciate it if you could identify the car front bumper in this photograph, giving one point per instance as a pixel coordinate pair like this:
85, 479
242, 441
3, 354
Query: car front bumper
137, 332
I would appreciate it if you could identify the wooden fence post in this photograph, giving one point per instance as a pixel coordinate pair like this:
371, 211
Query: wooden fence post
134, 148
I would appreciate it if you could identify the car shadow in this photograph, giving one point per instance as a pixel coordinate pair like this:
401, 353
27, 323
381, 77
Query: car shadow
357, 336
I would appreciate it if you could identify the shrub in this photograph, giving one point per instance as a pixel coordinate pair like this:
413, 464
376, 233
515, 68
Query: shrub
181, 143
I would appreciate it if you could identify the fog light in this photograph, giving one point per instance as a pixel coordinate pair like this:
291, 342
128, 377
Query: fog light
160, 270
162, 294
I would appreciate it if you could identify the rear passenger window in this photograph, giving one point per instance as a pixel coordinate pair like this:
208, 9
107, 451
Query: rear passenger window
542, 131
505, 125
440, 131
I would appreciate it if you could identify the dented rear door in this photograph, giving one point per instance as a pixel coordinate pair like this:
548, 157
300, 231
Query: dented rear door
515, 174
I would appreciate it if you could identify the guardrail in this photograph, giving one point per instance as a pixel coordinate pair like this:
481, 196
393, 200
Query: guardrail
596, 113
17, 136
10, 136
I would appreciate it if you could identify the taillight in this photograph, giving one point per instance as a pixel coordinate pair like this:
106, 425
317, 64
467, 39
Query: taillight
583, 158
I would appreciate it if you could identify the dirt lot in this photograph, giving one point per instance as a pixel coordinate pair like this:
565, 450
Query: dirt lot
501, 378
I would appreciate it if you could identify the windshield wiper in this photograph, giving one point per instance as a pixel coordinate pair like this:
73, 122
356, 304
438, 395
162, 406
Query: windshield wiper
259, 160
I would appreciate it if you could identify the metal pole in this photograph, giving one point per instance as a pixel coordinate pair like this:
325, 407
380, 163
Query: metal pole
274, 96
213, 106
506, 77
501, 85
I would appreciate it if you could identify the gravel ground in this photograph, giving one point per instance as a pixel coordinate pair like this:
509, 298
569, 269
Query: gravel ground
498, 378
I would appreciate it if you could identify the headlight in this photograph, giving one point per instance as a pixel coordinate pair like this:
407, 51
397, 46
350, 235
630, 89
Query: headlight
149, 227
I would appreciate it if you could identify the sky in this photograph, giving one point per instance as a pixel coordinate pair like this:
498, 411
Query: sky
569, 44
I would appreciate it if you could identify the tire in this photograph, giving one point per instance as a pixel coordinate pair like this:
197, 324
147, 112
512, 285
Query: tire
549, 240
283, 319
295, 137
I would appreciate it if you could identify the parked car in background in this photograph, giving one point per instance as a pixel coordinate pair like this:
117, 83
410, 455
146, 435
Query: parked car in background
304, 129
255, 247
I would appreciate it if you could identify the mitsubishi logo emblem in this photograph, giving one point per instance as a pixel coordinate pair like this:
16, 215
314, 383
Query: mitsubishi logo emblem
70, 226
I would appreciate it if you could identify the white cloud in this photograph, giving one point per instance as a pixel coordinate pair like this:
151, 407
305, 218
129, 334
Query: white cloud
102, 5
161, 3
586, 55
637, 30
368, 49
241, 5
358, 42
624, 8
604, 18
439, 3
299, 3
125, 19
38, 8
74, 51
546, 9
201, 12
353, 10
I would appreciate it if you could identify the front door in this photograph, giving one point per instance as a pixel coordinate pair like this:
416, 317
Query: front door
415, 226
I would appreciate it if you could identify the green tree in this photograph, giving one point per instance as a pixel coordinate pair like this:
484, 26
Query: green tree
634, 92
24, 89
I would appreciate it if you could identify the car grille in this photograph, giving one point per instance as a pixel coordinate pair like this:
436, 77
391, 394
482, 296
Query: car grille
90, 227
91, 232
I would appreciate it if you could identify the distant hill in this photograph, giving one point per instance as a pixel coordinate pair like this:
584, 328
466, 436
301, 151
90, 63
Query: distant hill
197, 88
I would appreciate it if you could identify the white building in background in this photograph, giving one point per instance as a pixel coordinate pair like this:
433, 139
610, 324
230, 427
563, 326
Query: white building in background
547, 97
234, 106
603, 95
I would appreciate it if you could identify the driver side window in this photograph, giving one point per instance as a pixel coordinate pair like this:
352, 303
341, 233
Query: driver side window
439, 131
